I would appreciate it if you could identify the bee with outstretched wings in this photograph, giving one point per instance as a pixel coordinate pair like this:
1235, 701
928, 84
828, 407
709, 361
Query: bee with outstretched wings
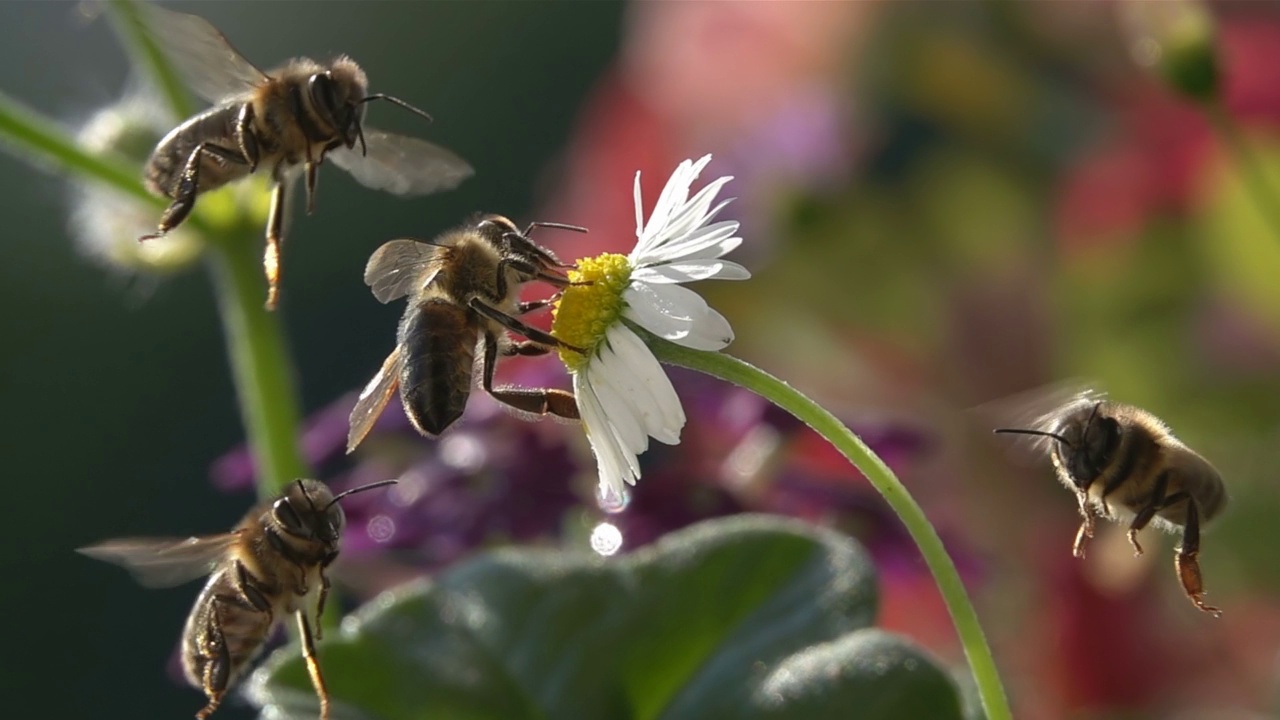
285, 121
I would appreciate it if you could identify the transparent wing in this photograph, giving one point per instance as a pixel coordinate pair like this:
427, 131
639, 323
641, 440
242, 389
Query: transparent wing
374, 398
164, 562
1037, 409
205, 59
399, 267
402, 165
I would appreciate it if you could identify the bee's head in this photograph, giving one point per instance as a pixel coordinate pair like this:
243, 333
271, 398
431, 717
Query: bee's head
1083, 435
338, 95
309, 510
512, 240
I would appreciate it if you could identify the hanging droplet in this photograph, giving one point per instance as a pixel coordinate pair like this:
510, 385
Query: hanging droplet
611, 501
606, 539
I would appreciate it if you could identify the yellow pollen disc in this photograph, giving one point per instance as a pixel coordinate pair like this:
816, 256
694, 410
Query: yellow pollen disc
585, 312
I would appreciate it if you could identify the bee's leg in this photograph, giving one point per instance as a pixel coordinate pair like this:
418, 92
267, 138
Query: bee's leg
324, 595
216, 670
313, 664
275, 238
1154, 504
1086, 524
184, 195
313, 176
1187, 565
245, 139
535, 401
516, 326
528, 307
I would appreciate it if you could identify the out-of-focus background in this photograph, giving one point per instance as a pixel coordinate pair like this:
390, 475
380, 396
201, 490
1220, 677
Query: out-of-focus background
945, 205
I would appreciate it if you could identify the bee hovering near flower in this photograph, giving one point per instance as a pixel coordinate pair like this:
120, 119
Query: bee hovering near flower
463, 291
283, 121
271, 565
1124, 464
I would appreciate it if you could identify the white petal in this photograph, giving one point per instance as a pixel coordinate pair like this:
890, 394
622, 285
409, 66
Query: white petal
697, 211
644, 378
677, 314
639, 208
673, 195
697, 244
691, 270
614, 469
622, 413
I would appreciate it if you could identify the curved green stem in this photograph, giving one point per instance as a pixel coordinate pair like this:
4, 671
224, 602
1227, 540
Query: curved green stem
882, 478
42, 142
259, 359
1252, 172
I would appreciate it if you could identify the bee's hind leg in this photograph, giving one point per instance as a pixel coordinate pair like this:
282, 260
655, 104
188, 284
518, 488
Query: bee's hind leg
1187, 564
184, 195
531, 401
275, 239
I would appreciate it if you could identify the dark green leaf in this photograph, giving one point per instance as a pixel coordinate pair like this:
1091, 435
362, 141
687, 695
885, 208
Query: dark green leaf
752, 617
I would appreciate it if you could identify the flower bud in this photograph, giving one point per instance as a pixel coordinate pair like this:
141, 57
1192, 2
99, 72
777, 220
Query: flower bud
106, 222
1177, 39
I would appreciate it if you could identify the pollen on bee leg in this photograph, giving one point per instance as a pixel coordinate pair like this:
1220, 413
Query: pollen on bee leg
590, 305
271, 268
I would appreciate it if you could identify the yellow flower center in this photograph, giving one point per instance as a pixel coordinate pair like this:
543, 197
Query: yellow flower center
586, 311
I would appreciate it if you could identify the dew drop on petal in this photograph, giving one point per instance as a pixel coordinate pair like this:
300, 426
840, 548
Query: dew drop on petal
606, 539
612, 501
381, 528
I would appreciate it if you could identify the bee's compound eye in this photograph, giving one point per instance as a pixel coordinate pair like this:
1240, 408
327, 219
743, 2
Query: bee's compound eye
324, 94
284, 513
336, 519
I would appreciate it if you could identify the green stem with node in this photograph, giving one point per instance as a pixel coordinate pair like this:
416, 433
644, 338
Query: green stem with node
256, 348
778, 392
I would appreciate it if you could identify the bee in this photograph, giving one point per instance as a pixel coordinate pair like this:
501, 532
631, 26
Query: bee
272, 564
1124, 464
292, 118
462, 289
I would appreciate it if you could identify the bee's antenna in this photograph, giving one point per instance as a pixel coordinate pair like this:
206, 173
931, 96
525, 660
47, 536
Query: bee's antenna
364, 149
398, 101
362, 488
559, 226
1041, 433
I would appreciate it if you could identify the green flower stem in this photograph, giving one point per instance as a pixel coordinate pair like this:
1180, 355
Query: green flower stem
926, 538
126, 18
1252, 171
42, 142
260, 361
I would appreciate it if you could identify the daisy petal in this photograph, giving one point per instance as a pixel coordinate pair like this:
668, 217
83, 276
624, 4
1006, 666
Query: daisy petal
645, 378
694, 244
694, 213
614, 471
691, 270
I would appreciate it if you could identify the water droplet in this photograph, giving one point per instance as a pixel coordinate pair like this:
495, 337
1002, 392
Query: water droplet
606, 539
381, 528
611, 501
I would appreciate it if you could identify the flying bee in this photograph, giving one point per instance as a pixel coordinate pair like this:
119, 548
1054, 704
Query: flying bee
463, 292
284, 121
272, 564
1124, 464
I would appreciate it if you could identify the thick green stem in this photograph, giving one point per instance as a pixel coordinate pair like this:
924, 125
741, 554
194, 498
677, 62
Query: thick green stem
1253, 174
260, 361
882, 478
42, 142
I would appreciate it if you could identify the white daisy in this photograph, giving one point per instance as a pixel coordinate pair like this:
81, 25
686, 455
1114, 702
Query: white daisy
623, 394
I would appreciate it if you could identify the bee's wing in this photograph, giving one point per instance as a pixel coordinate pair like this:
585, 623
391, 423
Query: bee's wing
1037, 409
374, 398
164, 562
402, 165
205, 59
399, 267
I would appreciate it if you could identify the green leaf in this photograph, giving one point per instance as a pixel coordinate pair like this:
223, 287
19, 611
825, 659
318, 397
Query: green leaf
747, 617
